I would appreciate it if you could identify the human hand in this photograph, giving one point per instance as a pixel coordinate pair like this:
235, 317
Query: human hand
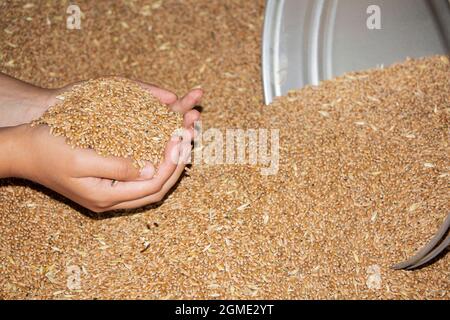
88, 179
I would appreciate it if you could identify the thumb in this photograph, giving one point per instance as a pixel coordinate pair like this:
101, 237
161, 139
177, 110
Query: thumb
115, 168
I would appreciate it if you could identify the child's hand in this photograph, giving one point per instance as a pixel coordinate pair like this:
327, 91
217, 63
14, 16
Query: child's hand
97, 183
87, 178
184, 105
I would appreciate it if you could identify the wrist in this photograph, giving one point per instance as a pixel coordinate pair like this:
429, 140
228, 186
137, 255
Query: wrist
37, 102
13, 152
21, 102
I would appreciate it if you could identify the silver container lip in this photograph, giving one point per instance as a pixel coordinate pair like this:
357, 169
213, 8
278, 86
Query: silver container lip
307, 41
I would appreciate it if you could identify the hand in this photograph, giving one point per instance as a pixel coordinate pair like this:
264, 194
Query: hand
87, 178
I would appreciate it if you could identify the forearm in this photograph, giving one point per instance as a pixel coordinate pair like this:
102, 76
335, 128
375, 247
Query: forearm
20, 102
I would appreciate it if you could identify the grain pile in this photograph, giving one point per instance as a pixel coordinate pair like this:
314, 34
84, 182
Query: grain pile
115, 117
362, 183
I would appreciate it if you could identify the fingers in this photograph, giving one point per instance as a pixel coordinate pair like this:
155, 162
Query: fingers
87, 163
90, 164
188, 102
131, 190
153, 198
135, 188
182, 105
165, 96
135, 194
190, 117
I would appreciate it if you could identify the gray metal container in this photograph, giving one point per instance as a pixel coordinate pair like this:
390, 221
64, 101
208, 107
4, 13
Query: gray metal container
307, 41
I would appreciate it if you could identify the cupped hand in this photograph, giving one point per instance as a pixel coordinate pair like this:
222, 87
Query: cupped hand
99, 183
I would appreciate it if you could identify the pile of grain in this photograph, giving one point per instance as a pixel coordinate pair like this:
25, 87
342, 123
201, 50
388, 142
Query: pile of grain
115, 117
363, 179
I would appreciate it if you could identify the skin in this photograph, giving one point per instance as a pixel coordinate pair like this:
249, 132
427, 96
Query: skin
97, 183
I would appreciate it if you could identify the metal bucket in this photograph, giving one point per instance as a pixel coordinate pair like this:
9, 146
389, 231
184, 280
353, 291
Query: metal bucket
307, 41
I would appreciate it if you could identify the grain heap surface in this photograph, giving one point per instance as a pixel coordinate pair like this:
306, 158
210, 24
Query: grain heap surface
115, 117
362, 183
